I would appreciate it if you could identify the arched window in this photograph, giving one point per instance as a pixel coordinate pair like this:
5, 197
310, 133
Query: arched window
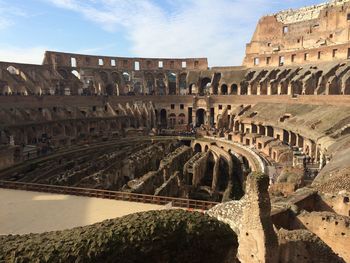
205, 87
76, 73
183, 84
172, 83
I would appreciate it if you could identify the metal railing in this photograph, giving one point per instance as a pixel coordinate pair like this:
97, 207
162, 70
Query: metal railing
106, 194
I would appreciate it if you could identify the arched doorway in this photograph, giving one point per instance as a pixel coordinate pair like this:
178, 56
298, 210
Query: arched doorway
200, 117
234, 89
163, 119
110, 90
224, 89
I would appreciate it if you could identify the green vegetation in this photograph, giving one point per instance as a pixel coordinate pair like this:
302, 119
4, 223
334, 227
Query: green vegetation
156, 237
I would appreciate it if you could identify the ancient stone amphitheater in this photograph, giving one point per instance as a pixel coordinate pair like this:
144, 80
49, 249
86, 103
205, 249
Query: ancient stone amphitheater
264, 147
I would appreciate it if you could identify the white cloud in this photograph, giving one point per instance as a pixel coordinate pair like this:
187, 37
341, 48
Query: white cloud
216, 29
30, 55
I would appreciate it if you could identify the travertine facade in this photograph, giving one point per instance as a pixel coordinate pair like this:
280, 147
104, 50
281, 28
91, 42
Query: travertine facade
307, 35
170, 128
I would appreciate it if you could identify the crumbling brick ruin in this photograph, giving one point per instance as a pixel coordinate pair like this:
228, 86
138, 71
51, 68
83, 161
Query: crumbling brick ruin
266, 142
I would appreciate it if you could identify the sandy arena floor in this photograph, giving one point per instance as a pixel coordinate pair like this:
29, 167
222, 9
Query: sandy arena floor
24, 212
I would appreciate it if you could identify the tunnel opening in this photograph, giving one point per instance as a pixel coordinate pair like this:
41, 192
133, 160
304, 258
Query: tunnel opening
207, 179
223, 177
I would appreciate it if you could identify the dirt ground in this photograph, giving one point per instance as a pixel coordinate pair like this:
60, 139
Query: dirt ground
23, 212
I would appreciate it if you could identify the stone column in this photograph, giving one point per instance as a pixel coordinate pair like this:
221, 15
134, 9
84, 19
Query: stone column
239, 90
269, 90
216, 173
258, 90
249, 89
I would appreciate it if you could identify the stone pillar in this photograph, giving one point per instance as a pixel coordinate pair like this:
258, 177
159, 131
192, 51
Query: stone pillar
258, 90
250, 219
257, 239
216, 173
239, 90
207, 117
269, 90
322, 160
177, 84
249, 89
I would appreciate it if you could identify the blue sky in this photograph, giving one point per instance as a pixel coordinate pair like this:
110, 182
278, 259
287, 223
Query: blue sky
217, 29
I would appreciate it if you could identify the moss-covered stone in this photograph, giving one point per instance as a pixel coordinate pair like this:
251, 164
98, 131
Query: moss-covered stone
155, 237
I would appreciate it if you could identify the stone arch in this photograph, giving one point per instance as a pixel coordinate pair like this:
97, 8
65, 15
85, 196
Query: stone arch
200, 117
183, 83
116, 78
224, 89
197, 148
334, 88
76, 74
234, 89
205, 86
104, 77
161, 84
296, 87
172, 78
13, 70
126, 77
150, 87
346, 90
